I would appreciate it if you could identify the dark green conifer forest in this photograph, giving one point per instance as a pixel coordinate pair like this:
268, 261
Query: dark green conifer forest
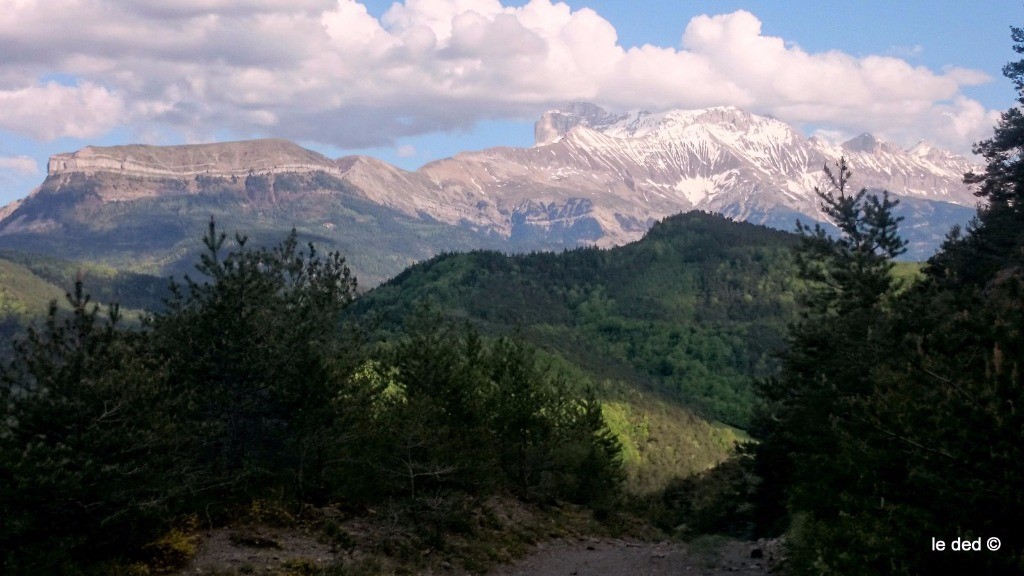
247, 388
895, 417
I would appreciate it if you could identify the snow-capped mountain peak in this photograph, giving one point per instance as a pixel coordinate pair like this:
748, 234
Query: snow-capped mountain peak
641, 164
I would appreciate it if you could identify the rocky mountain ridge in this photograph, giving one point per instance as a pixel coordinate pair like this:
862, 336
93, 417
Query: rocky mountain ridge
622, 171
592, 178
216, 159
619, 173
703, 143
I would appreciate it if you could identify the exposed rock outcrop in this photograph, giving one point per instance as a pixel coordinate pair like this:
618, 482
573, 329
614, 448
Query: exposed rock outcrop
220, 159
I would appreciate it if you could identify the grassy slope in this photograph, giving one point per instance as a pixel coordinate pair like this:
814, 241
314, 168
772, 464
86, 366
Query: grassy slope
103, 282
29, 282
908, 272
22, 293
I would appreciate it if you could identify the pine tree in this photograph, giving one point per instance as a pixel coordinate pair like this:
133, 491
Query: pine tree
898, 422
812, 406
82, 442
247, 349
853, 271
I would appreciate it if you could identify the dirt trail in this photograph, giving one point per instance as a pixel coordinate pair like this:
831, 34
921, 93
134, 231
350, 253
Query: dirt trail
609, 557
226, 551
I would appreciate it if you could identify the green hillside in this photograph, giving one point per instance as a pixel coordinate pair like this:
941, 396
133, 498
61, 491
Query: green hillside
692, 312
30, 282
670, 329
23, 294
106, 284
673, 328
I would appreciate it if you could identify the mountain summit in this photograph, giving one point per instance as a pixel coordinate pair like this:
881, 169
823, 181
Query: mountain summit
218, 159
620, 172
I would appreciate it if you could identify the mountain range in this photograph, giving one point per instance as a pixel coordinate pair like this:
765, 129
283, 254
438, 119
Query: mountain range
592, 178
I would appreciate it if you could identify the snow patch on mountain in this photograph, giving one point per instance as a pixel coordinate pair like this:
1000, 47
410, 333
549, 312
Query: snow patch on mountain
641, 164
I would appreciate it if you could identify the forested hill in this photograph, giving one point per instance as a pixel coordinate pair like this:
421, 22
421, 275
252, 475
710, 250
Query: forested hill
693, 310
30, 282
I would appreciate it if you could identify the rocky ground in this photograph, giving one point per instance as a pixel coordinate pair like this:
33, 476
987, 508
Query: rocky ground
611, 557
258, 550
501, 537
270, 551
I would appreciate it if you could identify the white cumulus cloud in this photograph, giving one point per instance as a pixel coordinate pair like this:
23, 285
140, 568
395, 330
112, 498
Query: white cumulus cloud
52, 110
19, 165
328, 71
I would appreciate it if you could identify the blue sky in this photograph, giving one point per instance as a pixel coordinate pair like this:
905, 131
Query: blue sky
420, 80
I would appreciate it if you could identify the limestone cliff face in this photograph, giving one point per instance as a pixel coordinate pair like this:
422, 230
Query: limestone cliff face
220, 159
557, 123
145, 208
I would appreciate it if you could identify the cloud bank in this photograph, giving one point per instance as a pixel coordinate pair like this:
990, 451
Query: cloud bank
328, 71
